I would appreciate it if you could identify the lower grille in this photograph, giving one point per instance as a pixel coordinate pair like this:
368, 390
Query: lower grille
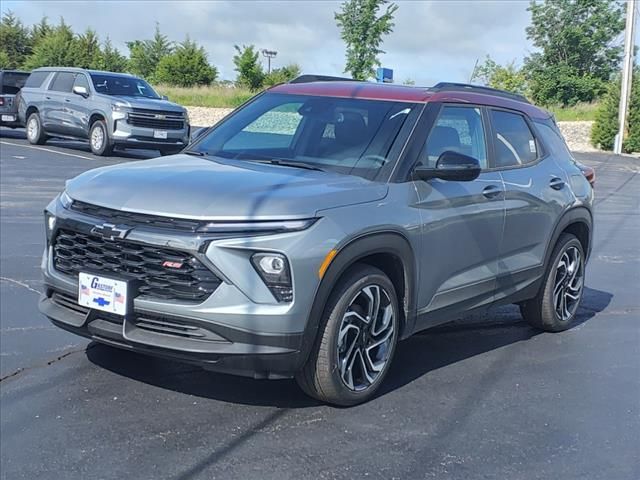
67, 301
171, 326
160, 272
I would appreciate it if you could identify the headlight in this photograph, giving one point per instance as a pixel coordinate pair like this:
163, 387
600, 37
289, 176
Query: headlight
186, 117
119, 110
273, 268
49, 224
268, 226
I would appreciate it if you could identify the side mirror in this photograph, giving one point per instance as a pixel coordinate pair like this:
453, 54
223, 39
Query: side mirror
80, 90
164, 97
451, 166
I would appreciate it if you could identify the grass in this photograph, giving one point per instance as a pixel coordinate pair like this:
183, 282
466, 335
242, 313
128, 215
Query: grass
213, 96
578, 112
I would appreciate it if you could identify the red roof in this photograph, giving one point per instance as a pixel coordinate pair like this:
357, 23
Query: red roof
403, 93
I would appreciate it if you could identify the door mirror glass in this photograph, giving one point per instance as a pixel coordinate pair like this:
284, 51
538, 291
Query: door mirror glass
80, 90
451, 166
164, 97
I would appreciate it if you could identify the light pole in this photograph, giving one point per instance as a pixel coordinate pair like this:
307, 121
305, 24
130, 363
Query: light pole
269, 54
627, 73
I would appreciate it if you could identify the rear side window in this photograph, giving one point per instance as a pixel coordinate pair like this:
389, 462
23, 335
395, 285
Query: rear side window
514, 143
63, 82
36, 79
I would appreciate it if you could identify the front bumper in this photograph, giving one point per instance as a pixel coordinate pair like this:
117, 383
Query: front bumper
128, 136
217, 348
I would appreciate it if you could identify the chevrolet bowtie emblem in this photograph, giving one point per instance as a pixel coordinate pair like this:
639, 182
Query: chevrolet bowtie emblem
109, 231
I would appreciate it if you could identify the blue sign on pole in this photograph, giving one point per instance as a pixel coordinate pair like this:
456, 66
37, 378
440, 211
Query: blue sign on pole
384, 75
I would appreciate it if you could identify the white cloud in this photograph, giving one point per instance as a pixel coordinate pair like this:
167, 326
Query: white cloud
432, 41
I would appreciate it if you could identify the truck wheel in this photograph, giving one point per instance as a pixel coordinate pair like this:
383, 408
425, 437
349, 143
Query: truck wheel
556, 305
35, 134
99, 139
356, 340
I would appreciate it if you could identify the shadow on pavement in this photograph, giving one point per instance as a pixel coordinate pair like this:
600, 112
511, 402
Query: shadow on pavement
415, 357
79, 146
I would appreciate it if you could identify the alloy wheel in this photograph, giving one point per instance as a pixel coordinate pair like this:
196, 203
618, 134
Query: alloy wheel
97, 138
365, 337
569, 283
32, 128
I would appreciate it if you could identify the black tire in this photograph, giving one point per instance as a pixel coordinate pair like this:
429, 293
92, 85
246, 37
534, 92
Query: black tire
321, 376
99, 141
541, 312
33, 127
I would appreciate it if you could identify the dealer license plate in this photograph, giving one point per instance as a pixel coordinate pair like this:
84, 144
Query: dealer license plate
160, 134
102, 293
10, 118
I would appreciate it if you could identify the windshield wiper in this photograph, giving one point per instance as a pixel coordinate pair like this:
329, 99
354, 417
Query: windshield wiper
287, 163
195, 153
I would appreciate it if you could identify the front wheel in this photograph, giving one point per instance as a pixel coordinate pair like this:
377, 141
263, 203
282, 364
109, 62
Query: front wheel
99, 139
356, 341
556, 305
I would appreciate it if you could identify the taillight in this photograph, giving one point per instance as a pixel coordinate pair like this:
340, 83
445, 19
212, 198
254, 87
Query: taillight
1, 101
588, 172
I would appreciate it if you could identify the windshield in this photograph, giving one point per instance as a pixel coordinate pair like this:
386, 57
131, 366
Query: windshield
122, 85
343, 135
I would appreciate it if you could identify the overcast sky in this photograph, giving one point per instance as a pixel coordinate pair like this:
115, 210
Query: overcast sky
432, 40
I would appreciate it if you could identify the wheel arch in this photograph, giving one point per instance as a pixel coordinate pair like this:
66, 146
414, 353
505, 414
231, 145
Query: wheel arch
388, 250
577, 221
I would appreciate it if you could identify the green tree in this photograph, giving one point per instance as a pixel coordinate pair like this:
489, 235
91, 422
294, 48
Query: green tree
505, 77
248, 66
579, 49
186, 66
605, 126
40, 30
362, 30
145, 55
110, 59
282, 75
86, 50
58, 49
15, 41
5, 61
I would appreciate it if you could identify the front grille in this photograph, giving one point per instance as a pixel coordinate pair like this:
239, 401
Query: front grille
156, 119
135, 219
75, 252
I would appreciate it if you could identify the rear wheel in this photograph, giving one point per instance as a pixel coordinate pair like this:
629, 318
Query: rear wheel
556, 305
356, 341
35, 134
99, 139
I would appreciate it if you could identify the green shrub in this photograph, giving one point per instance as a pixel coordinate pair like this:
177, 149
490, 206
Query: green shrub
605, 127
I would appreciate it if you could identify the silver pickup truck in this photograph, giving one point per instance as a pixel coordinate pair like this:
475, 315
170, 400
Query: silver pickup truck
110, 110
11, 81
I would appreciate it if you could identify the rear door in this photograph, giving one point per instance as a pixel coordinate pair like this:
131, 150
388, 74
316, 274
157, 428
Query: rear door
462, 221
535, 196
55, 117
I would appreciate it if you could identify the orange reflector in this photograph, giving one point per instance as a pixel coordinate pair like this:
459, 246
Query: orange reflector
327, 261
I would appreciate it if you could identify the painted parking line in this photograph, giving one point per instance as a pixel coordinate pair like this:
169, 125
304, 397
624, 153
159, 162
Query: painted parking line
2, 142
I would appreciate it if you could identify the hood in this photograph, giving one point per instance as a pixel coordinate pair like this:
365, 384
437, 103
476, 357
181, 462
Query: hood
149, 103
199, 188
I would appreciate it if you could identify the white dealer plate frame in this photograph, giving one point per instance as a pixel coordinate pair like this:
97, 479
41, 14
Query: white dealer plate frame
103, 293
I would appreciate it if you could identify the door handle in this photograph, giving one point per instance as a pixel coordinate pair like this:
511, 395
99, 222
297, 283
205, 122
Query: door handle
67, 100
48, 98
556, 183
491, 191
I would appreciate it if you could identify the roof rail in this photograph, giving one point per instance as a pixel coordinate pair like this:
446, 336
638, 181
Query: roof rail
308, 78
467, 87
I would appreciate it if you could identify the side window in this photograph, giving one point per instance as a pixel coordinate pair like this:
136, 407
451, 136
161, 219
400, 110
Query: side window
457, 129
63, 82
514, 143
81, 81
36, 79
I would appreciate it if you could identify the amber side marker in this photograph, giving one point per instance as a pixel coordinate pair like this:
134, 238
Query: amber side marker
326, 262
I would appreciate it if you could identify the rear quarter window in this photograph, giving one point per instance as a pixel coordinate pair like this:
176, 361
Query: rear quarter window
36, 79
515, 145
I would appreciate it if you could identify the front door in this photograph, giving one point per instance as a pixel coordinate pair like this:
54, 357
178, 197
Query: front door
462, 222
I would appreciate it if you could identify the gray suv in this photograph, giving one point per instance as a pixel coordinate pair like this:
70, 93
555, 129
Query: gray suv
317, 226
111, 110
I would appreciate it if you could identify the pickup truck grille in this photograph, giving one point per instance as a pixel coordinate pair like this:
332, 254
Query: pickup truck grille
156, 119
160, 272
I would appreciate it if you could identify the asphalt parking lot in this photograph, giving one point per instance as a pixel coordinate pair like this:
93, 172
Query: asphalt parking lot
484, 397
